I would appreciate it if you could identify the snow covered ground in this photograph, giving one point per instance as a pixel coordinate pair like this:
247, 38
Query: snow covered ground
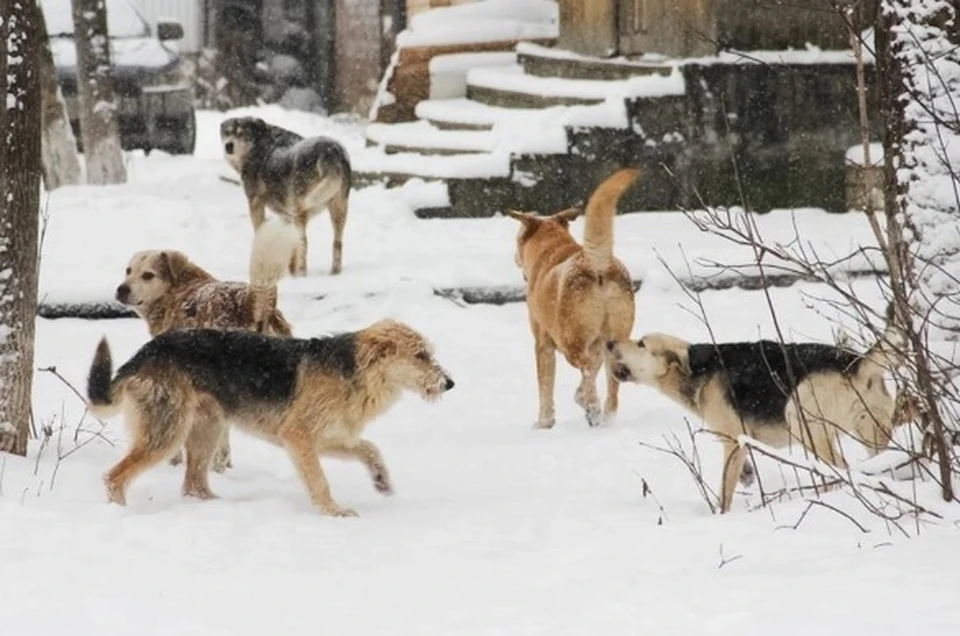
495, 528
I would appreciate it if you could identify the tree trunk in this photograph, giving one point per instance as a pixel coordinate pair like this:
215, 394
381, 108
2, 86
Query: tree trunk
918, 63
99, 128
19, 217
61, 164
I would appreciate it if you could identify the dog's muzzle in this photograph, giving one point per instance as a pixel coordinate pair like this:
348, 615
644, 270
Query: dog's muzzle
449, 384
123, 293
622, 373
228, 147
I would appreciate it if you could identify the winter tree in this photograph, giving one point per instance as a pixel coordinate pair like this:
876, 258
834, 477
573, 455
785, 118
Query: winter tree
19, 216
61, 164
99, 128
919, 58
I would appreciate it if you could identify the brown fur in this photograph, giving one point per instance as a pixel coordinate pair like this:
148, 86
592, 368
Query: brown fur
325, 415
578, 297
170, 292
825, 404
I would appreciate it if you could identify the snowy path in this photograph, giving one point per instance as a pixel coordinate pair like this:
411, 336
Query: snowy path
495, 528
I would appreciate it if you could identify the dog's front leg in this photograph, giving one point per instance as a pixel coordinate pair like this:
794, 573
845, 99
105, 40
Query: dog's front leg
222, 460
258, 212
733, 459
546, 374
303, 454
369, 455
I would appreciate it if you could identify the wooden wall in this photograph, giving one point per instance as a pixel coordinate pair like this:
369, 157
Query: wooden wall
588, 27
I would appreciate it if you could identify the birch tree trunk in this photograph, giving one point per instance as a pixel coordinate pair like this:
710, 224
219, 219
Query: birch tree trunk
19, 216
61, 163
99, 128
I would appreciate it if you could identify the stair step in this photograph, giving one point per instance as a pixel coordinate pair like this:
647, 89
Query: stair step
423, 138
466, 114
510, 87
374, 165
541, 61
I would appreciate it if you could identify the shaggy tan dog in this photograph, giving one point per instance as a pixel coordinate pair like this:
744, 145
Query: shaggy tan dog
578, 297
312, 397
776, 393
170, 292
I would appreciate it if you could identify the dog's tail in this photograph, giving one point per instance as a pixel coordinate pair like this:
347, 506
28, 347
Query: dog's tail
274, 247
601, 208
101, 389
887, 352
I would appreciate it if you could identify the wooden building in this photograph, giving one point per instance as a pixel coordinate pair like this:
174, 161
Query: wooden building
691, 28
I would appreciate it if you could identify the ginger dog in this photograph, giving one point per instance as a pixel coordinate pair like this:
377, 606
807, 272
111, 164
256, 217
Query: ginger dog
578, 296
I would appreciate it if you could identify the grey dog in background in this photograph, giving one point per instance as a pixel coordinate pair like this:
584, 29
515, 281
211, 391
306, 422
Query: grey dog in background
296, 177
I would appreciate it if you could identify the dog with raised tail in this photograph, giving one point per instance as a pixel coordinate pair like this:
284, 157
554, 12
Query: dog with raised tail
578, 296
312, 397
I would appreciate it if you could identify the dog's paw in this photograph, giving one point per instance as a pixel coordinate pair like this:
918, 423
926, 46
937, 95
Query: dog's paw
114, 493
221, 462
204, 494
382, 483
747, 474
594, 416
545, 424
337, 511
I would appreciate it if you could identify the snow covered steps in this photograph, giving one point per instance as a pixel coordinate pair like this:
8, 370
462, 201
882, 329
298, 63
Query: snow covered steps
542, 61
424, 138
466, 114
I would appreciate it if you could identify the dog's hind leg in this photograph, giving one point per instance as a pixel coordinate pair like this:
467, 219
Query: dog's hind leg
546, 376
299, 445
613, 393
147, 450
369, 455
588, 360
338, 218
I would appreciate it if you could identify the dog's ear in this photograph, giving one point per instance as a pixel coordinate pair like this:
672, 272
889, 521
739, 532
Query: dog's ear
523, 217
177, 268
257, 126
374, 349
568, 215
678, 359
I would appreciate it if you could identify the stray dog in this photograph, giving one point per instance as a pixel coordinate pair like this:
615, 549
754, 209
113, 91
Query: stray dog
312, 397
578, 297
170, 292
296, 177
775, 393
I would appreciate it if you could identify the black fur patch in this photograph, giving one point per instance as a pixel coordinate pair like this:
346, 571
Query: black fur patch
239, 367
98, 382
756, 374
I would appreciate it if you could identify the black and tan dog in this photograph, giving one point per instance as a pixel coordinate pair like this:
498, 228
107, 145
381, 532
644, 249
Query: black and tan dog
775, 393
578, 296
296, 177
312, 397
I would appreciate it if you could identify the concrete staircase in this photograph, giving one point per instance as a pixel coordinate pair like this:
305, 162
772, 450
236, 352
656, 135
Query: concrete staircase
537, 134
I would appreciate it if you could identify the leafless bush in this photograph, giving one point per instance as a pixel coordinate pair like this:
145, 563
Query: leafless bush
924, 377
